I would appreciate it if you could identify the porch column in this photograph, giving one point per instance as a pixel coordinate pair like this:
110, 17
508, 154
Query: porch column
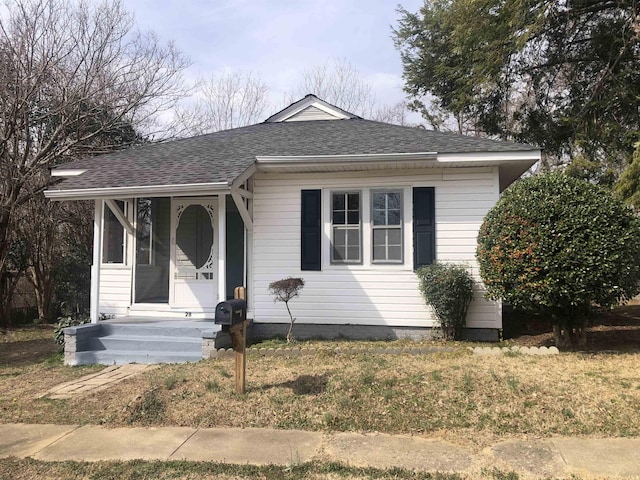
222, 248
94, 308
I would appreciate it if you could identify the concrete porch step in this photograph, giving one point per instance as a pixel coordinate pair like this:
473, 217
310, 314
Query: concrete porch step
115, 357
158, 329
135, 340
155, 343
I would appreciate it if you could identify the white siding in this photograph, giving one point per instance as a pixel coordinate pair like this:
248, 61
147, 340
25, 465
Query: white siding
367, 294
115, 290
310, 113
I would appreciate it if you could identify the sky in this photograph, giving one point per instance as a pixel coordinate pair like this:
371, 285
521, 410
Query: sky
279, 39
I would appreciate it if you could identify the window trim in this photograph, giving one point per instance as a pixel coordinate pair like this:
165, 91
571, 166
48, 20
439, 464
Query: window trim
387, 227
332, 227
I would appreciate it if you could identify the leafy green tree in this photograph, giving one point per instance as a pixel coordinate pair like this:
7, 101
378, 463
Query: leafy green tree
564, 75
560, 246
628, 187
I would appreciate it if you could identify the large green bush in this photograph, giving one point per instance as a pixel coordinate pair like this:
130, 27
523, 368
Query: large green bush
448, 289
560, 246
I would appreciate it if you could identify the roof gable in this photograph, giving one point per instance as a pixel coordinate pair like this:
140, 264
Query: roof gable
310, 108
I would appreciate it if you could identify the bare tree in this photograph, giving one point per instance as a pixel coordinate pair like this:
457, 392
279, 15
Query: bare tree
225, 101
396, 114
71, 72
339, 83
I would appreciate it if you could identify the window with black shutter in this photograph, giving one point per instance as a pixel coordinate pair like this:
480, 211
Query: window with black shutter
424, 226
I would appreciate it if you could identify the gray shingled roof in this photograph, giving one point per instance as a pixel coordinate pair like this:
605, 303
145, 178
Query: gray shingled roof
222, 156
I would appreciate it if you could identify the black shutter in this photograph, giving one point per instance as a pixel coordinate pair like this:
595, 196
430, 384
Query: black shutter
310, 258
424, 226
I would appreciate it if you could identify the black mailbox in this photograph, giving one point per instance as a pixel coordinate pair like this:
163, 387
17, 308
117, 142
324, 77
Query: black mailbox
231, 312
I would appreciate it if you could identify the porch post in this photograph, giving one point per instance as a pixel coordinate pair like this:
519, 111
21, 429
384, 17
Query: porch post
94, 309
222, 248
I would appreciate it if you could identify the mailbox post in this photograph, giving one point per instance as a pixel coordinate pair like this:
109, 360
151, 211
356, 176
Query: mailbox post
232, 315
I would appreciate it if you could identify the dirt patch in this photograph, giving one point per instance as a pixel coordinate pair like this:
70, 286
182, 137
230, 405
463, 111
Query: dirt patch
617, 330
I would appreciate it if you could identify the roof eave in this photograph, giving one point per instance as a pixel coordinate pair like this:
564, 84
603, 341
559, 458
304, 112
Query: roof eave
518, 160
193, 189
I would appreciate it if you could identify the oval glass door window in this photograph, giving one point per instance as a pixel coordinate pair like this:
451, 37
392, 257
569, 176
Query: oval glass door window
194, 242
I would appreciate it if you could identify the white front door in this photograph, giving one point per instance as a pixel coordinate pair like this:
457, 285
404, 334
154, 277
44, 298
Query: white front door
194, 252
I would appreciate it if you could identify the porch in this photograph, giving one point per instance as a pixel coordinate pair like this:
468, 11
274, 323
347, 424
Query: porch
143, 340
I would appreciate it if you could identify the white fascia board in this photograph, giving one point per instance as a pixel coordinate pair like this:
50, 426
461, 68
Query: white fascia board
192, 189
339, 159
493, 158
67, 172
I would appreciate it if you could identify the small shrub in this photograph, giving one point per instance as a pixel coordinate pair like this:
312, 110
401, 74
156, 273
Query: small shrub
283, 291
448, 289
64, 322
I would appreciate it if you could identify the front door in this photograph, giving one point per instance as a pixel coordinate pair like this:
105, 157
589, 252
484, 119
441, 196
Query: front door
194, 255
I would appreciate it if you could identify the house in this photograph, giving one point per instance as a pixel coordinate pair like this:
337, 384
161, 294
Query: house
352, 206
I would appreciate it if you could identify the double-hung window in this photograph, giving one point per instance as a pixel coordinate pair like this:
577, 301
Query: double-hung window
386, 226
346, 227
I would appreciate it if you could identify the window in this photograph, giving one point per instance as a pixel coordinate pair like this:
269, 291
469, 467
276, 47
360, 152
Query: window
346, 241
386, 226
113, 239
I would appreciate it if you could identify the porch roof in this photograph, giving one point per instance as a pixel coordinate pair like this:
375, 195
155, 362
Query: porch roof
214, 161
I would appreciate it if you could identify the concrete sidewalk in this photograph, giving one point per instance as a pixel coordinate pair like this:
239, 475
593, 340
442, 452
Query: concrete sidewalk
557, 457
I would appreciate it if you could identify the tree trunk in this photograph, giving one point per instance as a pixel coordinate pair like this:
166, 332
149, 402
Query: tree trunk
290, 337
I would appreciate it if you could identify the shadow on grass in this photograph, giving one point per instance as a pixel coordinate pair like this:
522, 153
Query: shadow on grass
303, 385
27, 352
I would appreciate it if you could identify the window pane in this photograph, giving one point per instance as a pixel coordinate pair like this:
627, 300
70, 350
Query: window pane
379, 201
353, 237
338, 201
395, 253
338, 218
379, 237
143, 232
393, 217
339, 253
339, 236
378, 217
393, 199
353, 201
379, 253
113, 237
353, 218
395, 236
353, 253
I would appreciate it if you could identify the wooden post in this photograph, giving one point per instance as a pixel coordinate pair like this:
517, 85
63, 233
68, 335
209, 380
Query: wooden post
239, 341
239, 345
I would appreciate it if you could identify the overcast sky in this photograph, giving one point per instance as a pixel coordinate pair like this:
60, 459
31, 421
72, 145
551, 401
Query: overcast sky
278, 39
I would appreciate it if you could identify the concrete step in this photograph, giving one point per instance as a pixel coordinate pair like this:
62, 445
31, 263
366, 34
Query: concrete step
158, 329
116, 357
155, 343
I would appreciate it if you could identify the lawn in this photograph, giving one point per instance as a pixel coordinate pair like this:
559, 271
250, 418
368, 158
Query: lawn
466, 399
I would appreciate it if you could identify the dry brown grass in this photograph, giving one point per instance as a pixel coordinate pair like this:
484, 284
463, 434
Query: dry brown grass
468, 399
